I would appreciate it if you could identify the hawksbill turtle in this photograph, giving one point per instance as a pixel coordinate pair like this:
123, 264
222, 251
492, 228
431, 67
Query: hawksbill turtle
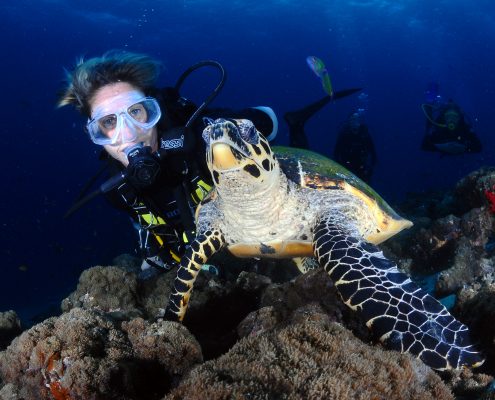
292, 203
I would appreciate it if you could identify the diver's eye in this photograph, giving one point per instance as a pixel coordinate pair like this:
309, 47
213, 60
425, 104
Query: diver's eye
108, 122
137, 112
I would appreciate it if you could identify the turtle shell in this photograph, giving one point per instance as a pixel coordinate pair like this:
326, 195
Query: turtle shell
312, 170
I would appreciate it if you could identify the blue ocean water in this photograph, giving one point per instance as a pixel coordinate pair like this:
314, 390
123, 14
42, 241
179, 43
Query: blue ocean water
391, 48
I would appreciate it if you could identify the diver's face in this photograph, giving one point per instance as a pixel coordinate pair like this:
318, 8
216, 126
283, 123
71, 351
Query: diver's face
452, 119
106, 94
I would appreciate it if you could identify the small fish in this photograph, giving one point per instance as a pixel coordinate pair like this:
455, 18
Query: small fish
23, 267
319, 69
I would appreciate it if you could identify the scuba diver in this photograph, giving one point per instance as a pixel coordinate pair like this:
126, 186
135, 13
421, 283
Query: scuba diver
447, 130
354, 148
152, 145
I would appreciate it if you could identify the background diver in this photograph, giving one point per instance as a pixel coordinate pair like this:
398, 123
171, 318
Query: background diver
447, 129
354, 148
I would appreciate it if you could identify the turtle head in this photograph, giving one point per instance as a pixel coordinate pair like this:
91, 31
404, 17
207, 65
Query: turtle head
236, 151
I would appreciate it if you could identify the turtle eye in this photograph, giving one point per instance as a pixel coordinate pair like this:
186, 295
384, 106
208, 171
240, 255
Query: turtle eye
206, 134
248, 131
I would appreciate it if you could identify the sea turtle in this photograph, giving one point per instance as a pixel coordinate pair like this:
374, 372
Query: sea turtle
295, 203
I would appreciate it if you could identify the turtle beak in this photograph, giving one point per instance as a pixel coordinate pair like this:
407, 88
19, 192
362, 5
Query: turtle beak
222, 157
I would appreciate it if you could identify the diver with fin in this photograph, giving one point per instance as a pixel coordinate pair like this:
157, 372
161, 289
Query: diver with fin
354, 148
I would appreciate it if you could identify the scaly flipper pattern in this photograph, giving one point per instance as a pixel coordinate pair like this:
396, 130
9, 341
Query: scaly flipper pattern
198, 253
401, 314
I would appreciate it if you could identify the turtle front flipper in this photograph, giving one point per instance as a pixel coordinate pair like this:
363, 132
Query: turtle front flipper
198, 253
401, 314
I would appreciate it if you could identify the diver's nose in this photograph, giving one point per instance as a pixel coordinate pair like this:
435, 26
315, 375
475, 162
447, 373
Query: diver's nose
128, 132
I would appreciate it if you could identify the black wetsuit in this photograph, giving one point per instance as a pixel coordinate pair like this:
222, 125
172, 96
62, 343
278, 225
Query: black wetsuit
355, 151
157, 209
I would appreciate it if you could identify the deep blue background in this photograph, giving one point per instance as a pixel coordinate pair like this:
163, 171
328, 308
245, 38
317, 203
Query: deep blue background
391, 48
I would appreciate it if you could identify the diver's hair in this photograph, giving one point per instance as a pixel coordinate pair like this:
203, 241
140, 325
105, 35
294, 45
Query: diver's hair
88, 76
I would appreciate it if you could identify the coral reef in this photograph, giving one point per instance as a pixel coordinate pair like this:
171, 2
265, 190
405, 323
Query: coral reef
314, 359
107, 288
10, 327
85, 354
460, 245
476, 305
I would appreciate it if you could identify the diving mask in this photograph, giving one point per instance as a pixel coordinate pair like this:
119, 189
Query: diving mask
125, 118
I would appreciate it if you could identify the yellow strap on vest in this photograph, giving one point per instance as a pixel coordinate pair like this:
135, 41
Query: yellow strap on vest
174, 256
201, 191
151, 219
158, 239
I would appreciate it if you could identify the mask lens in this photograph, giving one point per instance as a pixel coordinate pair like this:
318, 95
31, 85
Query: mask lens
143, 114
146, 111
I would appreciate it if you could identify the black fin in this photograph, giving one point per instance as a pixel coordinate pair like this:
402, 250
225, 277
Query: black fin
299, 117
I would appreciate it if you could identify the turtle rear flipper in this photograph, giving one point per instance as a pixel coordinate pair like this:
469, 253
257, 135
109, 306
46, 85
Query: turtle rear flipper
402, 315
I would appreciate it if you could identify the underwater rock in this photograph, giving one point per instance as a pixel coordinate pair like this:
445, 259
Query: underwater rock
466, 384
477, 225
10, 327
312, 359
433, 248
461, 246
10, 392
109, 288
168, 344
470, 260
470, 191
467, 266
258, 321
154, 293
476, 306
313, 287
218, 306
85, 354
